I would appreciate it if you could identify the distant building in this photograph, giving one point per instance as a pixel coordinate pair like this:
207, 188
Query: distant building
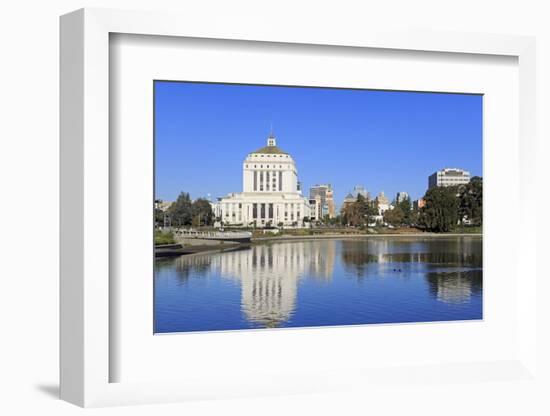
348, 200
448, 177
163, 205
316, 208
216, 208
360, 190
401, 196
419, 203
326, 194
331, 207
383, 203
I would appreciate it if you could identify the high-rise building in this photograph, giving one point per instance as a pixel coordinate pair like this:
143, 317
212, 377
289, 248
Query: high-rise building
326, 194
401, 196
448, 177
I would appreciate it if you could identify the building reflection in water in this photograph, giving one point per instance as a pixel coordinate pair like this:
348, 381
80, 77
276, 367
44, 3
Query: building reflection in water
269, 276
455, 287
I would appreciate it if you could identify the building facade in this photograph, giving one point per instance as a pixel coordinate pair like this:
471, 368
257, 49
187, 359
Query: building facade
316, 208
271, 193
401, 196
448, 177
326, 195
163, 205
216, 209
383, 203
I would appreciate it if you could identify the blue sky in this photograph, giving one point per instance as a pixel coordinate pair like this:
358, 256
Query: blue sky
384, 140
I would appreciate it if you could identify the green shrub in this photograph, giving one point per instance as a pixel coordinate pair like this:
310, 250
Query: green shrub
164, 237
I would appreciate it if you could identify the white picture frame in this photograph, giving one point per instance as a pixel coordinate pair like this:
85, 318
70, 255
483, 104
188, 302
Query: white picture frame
86, 166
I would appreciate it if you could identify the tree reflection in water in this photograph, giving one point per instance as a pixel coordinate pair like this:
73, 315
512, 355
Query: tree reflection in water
452, 267
355, 256
184, 266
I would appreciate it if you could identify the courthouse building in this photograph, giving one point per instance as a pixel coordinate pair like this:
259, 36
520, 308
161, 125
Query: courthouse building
271, 191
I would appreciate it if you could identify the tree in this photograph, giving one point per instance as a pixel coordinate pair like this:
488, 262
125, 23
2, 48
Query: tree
181, 211
350, 214
394, 216
471, 201
405, 207
358, 213
202, 212
440, 214
415, 217
361, 209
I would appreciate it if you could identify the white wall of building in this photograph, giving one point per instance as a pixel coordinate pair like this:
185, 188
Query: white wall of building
266, 171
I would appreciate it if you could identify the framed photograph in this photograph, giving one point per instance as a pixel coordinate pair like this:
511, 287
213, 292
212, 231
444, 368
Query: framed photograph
279, 253
321, 199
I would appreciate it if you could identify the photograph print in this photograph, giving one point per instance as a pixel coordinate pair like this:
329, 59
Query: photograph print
288, 206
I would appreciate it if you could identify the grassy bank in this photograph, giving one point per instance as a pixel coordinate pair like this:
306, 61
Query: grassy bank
164, 237
468, 230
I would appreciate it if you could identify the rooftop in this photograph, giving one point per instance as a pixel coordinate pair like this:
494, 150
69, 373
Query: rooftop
271, 148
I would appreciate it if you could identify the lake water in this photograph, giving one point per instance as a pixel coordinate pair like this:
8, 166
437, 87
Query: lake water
321, 282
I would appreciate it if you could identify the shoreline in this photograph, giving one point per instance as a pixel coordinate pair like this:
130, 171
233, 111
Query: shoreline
204, 249
339, 236
197, 250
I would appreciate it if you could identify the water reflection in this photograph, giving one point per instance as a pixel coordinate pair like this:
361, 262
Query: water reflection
269, 276
184, 266
316, 283
356, 255
455, 287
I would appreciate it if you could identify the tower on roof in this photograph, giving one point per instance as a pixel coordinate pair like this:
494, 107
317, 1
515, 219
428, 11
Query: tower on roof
271, 140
